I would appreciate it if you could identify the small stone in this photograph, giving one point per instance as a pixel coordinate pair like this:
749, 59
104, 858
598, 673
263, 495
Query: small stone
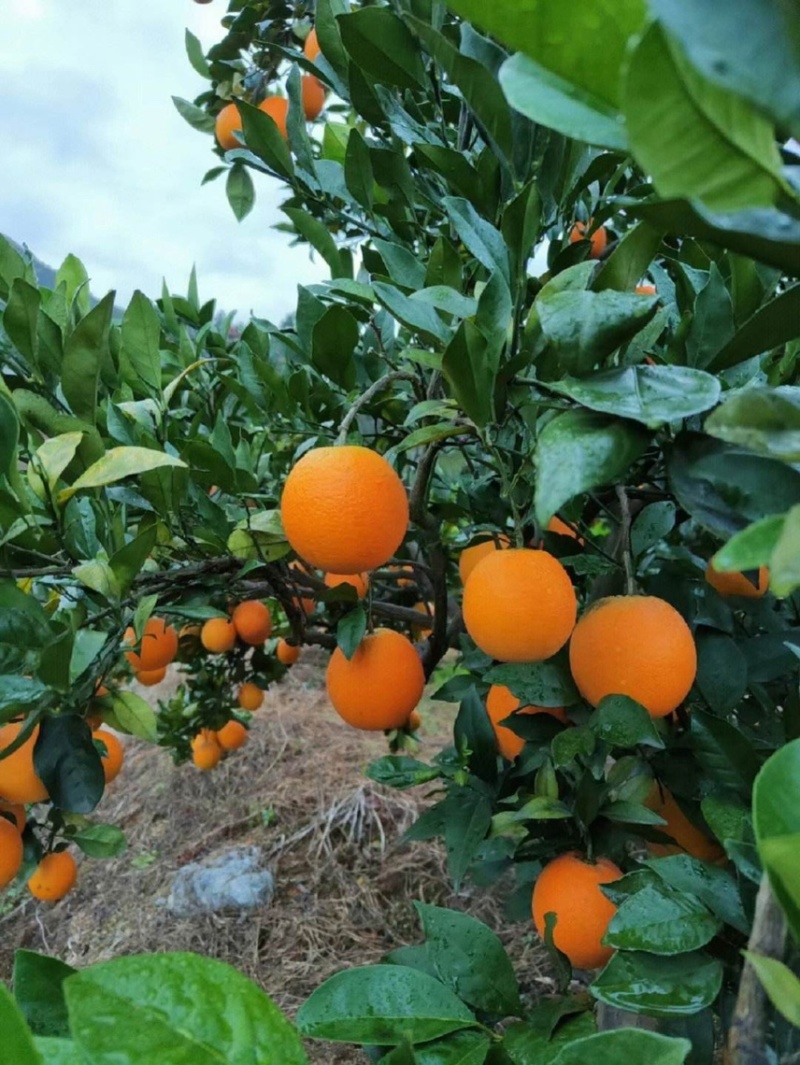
235, 880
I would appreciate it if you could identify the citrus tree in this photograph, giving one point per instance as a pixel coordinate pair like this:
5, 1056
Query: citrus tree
542, 419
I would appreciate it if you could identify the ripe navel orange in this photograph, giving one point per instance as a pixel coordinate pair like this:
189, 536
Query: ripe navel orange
569, 887
232, 736
359, 581
18, 779
556, 525
286, 652
17, 811
688, 837
206, 751
380, 685
277, 107
252, 622
313, 96
53, 877
158, 647
645, 290
634, 645
311, 46
114, 753
149, 677
598, 239
500, 704
228, 122
218, 635
519, 605
471, 556
250, 696
738, 583
11, 852
344, 509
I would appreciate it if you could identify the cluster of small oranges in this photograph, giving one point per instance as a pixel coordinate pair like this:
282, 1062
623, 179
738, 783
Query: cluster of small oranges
228, 122
157, 650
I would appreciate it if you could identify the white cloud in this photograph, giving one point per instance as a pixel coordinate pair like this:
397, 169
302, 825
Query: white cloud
97, 161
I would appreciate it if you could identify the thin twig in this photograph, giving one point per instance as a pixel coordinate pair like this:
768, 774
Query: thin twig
625, 539
365, 397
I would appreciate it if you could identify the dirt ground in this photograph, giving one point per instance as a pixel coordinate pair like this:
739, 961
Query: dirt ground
345, 882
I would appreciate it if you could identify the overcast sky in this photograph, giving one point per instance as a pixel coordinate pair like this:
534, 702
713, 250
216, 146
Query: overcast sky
97, 161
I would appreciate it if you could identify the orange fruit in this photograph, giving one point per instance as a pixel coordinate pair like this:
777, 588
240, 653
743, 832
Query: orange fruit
158, 648
149, 677
471, 556
360, 581
287, 653
688, 837
18, 779
252, 622
414, 721
519, 605
313, 96
250, 696
226, 123
645, 290
277, 107
114, 755
423, 630
344, 509
11, 852
53, 877
380, 685
737, 583
500, 704
569, 887
598, 239
17, 811
218, 635
405, 578
634, 645
556, 525
232, 736
311, 47
206, 751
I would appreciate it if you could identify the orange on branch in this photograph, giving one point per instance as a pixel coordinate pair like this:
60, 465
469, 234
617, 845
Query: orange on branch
380, 685
737, 583
158, 648
11, 852
598, 239
312, 96
569, 887
359, 581
311, 47
54, 876
688, 837
286, 652
502, 703
519, 605
19, 782
232, 736
17, 811
252, 622
344, 509
150, 677
206, 751
277, 107
218, 635
114, 754
634, 645
228, 122
471, 556
250, 696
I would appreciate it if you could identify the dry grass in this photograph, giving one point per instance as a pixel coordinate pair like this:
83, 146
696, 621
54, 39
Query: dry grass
344, 882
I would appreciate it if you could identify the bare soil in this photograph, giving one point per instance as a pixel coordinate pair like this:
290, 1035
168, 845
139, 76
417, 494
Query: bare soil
345, 882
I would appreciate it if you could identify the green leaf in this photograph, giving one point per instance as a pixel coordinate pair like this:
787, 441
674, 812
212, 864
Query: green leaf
766, 329
766, 420
459, 1048
714, 887
660, 986
661, 921
240, 191
527, 1044
56, 454
776, 820
474, 736
68, 764
760, 65
194, 50
576, 331
358, 175
84, 353
469, 958
626, 1044
651, 395
21, 318
265, 140
700, 141
723, 751
553, 101
100, 577
416, 315
333, 341
72, 274
382, 45
470, 371
382, 1004
621, 722
58, 1051
750, 548
651, 525
580, 450
536, 683
319, 237
134, 715
101, 841
126, 564
712, 322
9, 435
15, 1037
630, 259
350, 630
157, 1007
721, 671
196, 117
479, 236
400, 771
785, 560
39, 992
18, 692
469, 816
571, 743
780, 983
118, 463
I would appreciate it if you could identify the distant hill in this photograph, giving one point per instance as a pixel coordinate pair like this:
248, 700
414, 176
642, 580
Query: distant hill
45, 275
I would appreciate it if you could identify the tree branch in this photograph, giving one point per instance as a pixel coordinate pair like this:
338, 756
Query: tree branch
365, 397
